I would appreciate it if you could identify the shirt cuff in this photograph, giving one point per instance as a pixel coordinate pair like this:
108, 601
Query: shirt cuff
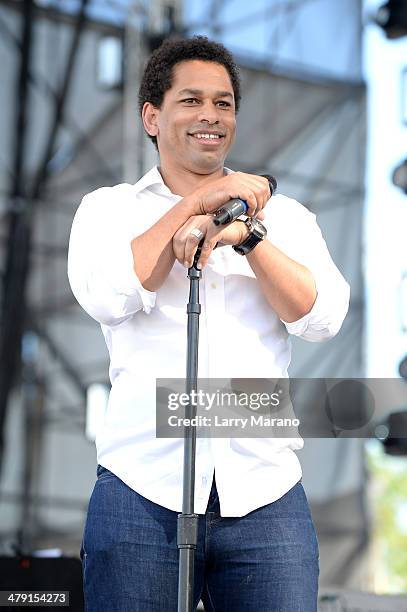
122, 277
297, 328
326, 316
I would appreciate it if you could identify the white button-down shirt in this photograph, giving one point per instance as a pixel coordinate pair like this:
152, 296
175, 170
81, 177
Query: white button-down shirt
145, 333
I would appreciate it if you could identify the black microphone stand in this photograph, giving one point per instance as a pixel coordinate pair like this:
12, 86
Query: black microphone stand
187, 526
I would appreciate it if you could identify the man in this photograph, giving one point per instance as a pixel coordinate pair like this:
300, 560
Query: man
130, 249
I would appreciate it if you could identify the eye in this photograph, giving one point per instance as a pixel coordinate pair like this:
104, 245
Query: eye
224, 103
190, 100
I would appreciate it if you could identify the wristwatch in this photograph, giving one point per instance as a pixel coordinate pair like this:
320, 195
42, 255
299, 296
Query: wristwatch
258, 232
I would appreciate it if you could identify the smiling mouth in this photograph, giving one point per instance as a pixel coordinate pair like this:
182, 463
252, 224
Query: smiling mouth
207, 139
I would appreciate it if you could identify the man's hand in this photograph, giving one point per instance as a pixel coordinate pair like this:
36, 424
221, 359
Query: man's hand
153, 251
185, 243
255, 190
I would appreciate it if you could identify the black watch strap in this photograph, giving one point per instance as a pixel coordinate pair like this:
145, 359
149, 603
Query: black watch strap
257, 233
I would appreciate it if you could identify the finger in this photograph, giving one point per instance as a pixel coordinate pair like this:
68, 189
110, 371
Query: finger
191, 227
266, 190
261, 196
192, 241
209, 243
261, 183
206, 251
261, 189
250, 198
254, 199
182, 241
244, 187
178, 246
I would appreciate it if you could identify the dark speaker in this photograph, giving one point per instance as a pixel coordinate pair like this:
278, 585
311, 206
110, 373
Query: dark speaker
38, 574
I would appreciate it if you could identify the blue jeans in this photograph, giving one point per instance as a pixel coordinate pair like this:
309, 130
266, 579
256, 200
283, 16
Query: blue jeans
264, 561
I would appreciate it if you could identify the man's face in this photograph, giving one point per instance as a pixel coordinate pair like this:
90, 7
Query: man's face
196, 123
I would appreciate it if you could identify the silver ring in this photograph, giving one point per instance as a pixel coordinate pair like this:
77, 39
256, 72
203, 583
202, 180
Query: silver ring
197, 233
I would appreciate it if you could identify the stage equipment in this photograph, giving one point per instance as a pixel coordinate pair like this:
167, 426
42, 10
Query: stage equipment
399, 176
392, 18
187, 528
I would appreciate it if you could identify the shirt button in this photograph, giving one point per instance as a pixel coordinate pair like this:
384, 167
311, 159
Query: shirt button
204, 480
213, 285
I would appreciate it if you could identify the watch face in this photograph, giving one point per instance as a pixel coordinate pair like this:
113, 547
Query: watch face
257, 233
258, 227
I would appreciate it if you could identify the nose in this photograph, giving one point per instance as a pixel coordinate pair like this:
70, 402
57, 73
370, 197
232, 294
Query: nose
209, 113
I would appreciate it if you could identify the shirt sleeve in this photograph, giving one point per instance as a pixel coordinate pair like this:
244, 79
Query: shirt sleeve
100, 260
297, 234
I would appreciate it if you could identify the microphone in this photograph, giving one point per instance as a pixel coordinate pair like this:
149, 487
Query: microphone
236, 207
230, 211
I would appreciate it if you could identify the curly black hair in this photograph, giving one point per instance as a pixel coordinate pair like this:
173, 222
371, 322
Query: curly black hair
157, 77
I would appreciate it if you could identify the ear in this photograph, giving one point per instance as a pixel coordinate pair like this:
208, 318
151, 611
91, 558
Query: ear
149, 116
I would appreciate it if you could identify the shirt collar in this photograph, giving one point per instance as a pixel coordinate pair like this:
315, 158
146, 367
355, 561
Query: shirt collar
153, 178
